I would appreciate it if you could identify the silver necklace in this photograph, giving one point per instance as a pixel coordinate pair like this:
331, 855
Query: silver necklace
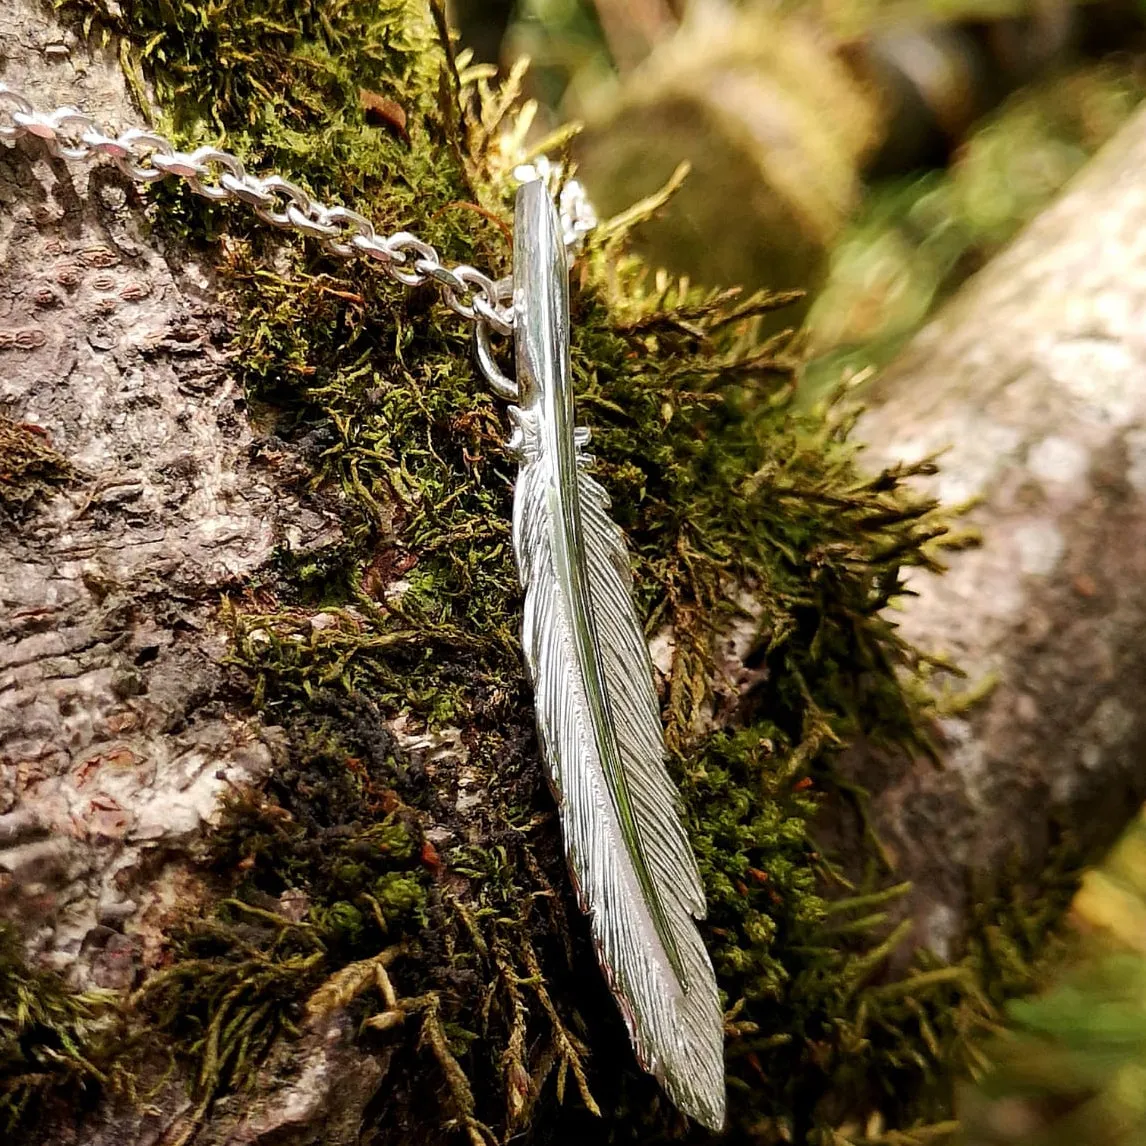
597, 714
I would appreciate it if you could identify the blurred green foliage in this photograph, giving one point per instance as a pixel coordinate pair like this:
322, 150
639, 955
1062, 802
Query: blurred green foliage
1072, 1071
916, 240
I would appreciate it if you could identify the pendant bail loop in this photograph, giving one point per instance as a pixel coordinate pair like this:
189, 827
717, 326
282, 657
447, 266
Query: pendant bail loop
501, 384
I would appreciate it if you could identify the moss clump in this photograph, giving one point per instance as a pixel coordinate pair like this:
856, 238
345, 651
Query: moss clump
319, 882
29, 468
422, 887
54, 1042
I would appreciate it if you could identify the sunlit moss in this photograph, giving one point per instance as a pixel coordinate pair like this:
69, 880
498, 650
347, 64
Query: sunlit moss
54, 1041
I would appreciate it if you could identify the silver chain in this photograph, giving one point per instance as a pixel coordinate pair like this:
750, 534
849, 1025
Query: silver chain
218, 175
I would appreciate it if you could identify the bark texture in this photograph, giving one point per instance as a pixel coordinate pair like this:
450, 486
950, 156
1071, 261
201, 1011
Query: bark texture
118, 730
1031, 381
116, 739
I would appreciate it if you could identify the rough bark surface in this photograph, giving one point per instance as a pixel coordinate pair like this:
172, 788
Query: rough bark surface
1031, 381
116, 735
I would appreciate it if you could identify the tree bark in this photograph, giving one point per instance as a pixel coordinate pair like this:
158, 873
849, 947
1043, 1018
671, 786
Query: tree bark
118, 729
116, 741
1030, 381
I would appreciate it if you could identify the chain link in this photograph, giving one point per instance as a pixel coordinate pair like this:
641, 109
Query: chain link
217, 175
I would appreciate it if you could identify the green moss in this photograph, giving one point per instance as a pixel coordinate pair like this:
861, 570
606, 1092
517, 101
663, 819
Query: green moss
53, 1040
399, 894
29, 468
235, 987
360, 844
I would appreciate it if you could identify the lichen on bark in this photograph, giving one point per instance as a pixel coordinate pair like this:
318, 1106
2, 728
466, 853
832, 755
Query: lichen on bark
397, 885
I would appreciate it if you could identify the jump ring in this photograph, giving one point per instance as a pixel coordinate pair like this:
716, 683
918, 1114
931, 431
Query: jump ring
502, 386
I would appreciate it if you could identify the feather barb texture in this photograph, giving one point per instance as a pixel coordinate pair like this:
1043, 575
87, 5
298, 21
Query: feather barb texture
597, 713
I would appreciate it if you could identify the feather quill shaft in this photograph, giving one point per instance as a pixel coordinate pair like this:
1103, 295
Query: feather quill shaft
597, 713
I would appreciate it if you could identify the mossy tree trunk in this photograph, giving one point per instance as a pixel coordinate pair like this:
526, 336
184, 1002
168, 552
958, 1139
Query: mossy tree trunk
133, 497
269, 775
132, 500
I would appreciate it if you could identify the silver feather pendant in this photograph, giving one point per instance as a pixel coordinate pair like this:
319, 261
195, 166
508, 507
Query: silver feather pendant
597, 713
